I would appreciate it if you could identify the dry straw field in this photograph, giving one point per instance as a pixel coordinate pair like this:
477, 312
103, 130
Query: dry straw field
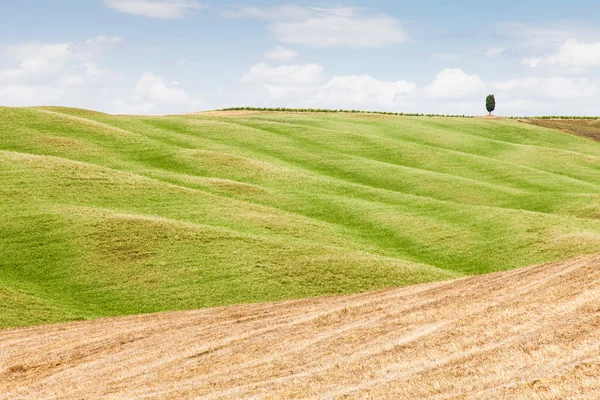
532, 333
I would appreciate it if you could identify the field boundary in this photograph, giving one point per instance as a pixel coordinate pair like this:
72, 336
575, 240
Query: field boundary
401, 114
328, 110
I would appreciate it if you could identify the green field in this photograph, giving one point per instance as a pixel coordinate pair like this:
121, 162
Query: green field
106, 215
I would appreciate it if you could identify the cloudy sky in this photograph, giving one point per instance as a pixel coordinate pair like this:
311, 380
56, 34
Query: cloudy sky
175, 56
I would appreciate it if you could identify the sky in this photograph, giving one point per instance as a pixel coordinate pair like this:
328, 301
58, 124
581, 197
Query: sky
178, 56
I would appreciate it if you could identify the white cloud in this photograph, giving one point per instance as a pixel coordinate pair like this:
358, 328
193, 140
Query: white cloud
93, 46
36, 60
161, 9
304, 85
533, 62
38, 49
452, 91
154, 94
55, 73
40, 62
453, 83
547, 36
284, 75
364, 90
86, 73
556, 89
158, 90
124, 107
281, 53
326, 27
344, 91
556, 95
289, 92
572, 55
27, 95
69, 74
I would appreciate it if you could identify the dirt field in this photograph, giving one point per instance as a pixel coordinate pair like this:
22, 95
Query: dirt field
589, 128
532, 333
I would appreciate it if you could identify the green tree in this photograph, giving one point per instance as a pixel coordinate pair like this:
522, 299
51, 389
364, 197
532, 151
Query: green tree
490, 103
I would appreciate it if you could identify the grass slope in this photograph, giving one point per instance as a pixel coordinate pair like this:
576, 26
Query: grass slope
111, 215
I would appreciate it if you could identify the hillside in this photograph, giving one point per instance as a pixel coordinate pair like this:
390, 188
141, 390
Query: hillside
113, 215
532, 333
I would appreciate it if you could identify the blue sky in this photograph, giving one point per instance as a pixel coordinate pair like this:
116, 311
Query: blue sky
175, 56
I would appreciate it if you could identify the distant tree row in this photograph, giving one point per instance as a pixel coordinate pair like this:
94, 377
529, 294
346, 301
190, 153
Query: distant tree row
327, 110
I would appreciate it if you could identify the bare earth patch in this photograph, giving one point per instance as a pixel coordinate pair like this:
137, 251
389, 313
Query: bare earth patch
490, 117
522, 334
589, 128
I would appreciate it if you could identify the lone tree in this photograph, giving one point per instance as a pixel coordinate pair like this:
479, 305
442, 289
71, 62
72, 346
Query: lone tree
490, 103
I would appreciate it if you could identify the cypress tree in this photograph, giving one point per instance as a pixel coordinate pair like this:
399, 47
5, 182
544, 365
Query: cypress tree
490, 103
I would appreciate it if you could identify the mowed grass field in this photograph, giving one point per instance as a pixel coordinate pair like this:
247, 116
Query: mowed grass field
106, 215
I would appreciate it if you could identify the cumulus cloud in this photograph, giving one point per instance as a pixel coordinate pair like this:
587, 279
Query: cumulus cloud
22, 51
557, 89
572, 55
27, 95
326, 27
161, 9
543, 37
343, 91
549, 96
71, 74
453, 83
284, 75
38, 62
54, 73
451, 91
294, 93
156, 94
280, 54
351, 91
87, 73
157, 89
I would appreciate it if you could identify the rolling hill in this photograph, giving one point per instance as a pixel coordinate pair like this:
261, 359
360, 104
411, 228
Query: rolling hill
531, 333
108, 215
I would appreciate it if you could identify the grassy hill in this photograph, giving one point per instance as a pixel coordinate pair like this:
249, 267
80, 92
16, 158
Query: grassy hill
109, 215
